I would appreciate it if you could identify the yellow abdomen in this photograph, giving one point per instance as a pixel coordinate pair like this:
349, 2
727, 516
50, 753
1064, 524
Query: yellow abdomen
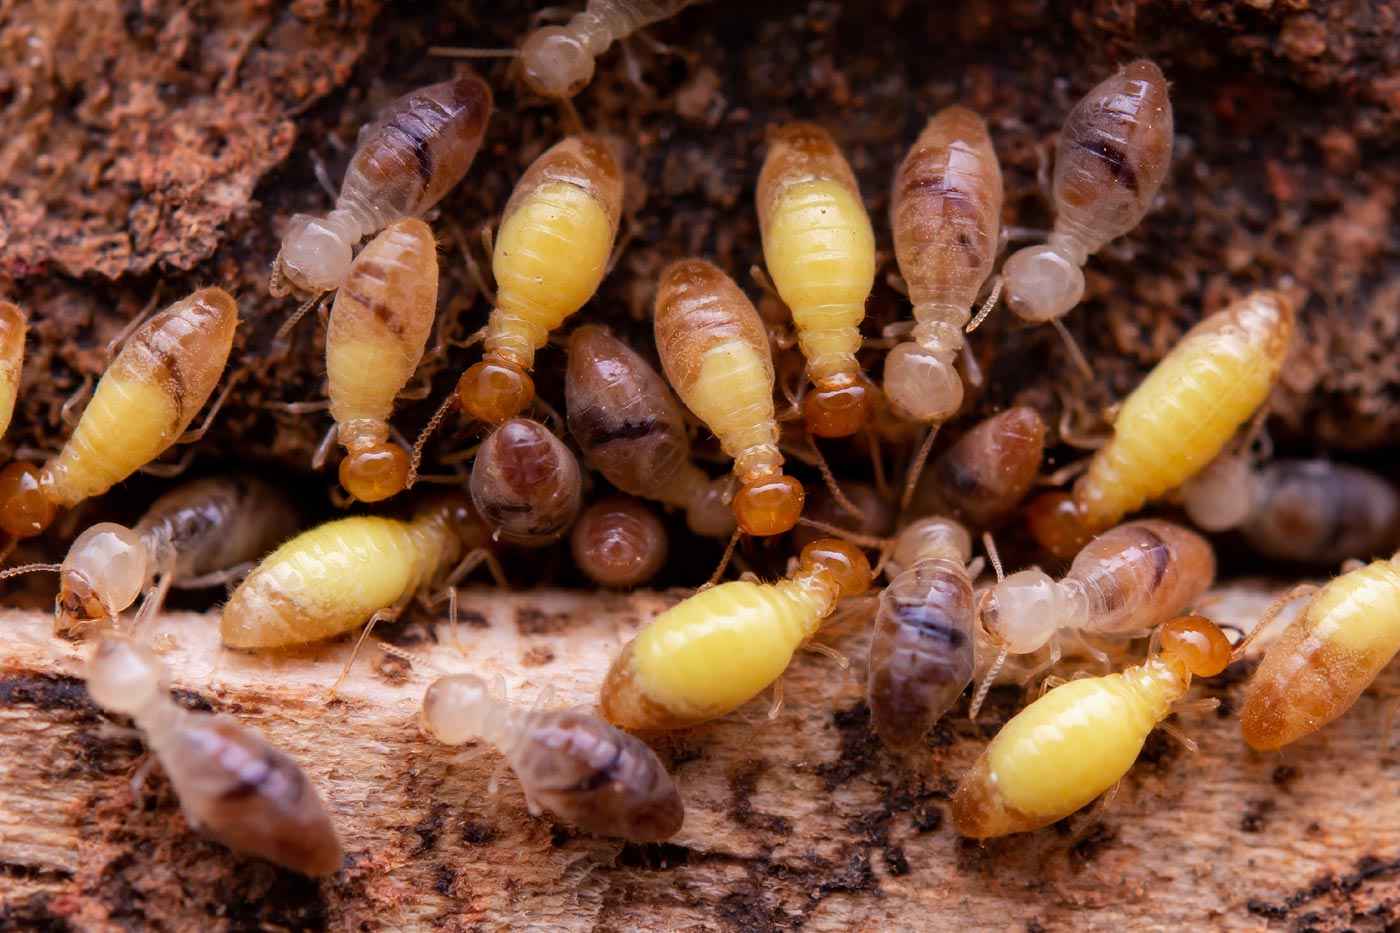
711, 654
329, 580
549, 260
733, 395
128, 423
364, 379
12, 328
820, 251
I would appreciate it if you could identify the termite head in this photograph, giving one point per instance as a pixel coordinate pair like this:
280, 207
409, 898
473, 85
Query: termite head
1042, 282
455, 709
556, 63
1195, 643
104, 572
1022, 612
25, 510
838, 407
844, 563
124, 676
769, 505
1058, 524
932, 537
921, 387
495, 390
315, 256
374, 472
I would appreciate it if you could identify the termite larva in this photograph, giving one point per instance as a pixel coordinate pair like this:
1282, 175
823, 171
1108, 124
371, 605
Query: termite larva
921, 651
1176, 421
404, 162
982, 477
820, 253
632, 430
233, 785
526, 484
619, 542
379, 324
715, 353
721, 647
1078, 740
1113, 154
551, 254
574, 765
1346, 634
945, 213
338, 576
143, 403
1304, 511
12, 331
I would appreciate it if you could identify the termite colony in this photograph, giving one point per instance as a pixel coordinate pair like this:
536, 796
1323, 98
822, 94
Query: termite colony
635, 436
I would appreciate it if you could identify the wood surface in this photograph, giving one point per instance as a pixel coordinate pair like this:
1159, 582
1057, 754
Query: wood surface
803, 823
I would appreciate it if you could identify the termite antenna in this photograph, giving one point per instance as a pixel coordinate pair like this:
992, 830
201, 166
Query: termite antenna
916, 469
724, 561
834, 487
986, 684
1294, 593
29, 568
1081, 362
448, 51
990, 547
572, 121
415, 459
286, 329
860, 540
417, 660
987, 307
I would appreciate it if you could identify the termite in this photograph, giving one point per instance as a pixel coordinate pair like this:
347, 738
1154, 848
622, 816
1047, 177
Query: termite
1346, 634
379, 325
551, 254
1113, 155
1176, 421
619, 542
233, 785
526, 484
921, 651
820, 252
13, 326
574, 765
715, 353
720, 648
632, 430
159, 381
352, 571
1079, 739
986, 473
419, 148
945, 213
1303, 511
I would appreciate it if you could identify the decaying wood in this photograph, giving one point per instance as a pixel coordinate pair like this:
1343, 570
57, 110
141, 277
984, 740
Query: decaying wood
804, 823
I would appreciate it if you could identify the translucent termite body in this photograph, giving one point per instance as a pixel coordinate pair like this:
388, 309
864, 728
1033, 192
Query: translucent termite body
526, 484
986, 473
921, 651
552, 251
559, 60
335, 577
201, 528
1303, 511
619, 542
720, 648
1113, 154
715, 354
1076, 741
233, 785
379, 325
13, 326
631, 429
820, 252
159, 381
1127, 580
574, 765
1176, 421
404, 162
945, 212
1346, 635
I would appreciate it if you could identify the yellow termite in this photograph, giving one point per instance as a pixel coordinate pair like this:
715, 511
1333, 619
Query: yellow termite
379, 325
1346, 634
12, 330
1078, 740
147, 398
551, 254
1176, 421
716, 356
820, 253
721, 647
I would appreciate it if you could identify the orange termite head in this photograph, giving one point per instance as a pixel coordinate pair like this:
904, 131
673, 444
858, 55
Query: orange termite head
24, 509
375, 472
495, 390
1197, 643
769, 505
839, 407
845, 563
1057, 523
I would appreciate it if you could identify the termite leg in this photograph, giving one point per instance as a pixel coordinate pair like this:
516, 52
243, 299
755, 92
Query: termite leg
323, 449
383, 615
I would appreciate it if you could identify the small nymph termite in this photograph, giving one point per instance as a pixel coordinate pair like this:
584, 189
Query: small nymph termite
576, 766
526, 484
1176, 421
150, 394
820, 252
1079, 739
721, 647
631, 429
12, 331
232, 784
986, 473
619, 542
1113, 154
404, 162
715, 353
